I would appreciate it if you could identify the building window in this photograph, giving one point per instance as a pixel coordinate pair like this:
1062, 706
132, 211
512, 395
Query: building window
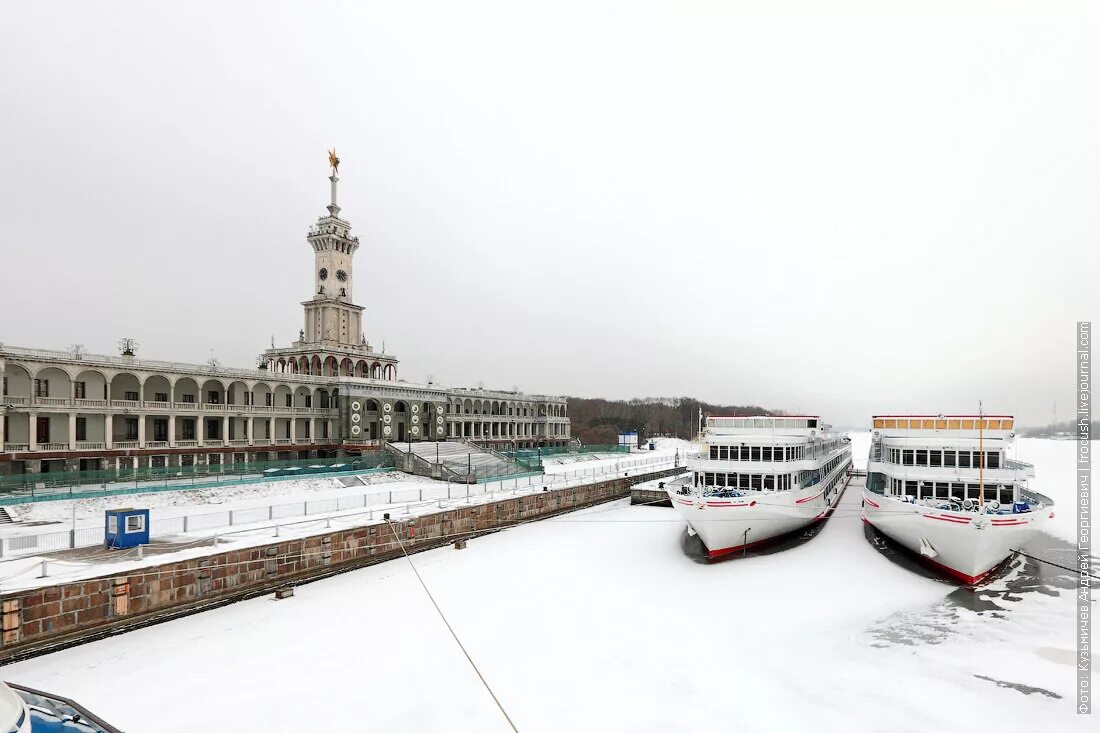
131, 396
160, 429
41, 388
188, 399
79, 390
81, 428
160, 397
131, 428
267, 399
290, 400
188, 430
213, 397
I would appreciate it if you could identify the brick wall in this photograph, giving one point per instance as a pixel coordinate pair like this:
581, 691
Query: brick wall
69, 612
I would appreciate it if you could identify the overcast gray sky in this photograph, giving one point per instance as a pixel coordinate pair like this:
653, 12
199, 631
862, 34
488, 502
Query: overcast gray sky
864, 211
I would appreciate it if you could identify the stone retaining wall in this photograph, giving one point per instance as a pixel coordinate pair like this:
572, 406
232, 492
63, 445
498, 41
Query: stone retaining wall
35, 621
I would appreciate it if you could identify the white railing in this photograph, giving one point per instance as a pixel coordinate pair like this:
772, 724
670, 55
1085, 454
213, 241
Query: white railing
14, 400
261, 441
53, 446
187, 443
156, 444
126, 444
185, 406
51, 401
126, 404
215, 406
239, 441
17, 447
82, 402
403, 500
153, 405
213, 443
283, 441
90, 445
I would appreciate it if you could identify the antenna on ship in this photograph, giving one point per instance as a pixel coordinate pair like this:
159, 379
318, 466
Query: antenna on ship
981, 458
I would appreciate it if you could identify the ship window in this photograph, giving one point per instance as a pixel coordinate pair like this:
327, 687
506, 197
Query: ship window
935, 458
744, 453
964, 459
1006, 496
953, 424
879, 424
928, 424
756, 453
990, 492
958, 491
941, 425
769, 482
723, 453
742, 481
720, 479
993, 460
714, 453
766, 453
754, 481
971, 491
911, 488
907, 458
967, 424
949, 458
891, 423
942, 490
922, 458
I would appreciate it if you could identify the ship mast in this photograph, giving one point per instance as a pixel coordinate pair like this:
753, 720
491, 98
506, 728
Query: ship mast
981, 458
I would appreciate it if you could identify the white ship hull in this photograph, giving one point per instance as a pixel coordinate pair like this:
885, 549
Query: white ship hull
727, 525
967, 546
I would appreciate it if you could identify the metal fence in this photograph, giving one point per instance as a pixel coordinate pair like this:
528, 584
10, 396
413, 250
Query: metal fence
400, 497
19, 488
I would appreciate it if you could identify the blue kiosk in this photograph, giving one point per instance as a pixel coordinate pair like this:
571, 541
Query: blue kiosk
126, 528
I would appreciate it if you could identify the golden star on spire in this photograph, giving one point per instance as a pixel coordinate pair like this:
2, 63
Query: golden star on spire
333, 161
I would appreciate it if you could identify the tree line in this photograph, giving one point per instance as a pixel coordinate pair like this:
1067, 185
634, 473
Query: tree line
598, 421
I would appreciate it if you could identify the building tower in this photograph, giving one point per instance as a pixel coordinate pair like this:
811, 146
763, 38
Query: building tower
331, 317
332, 341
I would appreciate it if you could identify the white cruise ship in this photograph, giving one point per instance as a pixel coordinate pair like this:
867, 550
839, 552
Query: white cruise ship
761, 477
944, 487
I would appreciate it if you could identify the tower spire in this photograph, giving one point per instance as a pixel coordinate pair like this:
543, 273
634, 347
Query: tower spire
334, 163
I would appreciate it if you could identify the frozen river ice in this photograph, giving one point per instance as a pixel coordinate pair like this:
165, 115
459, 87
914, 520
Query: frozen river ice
600, 621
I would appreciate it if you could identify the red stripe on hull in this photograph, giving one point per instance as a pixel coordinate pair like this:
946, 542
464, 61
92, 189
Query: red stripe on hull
944, 569
946, 519
876, 506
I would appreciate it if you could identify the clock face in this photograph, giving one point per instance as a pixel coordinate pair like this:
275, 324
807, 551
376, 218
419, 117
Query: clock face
323, 274
341, 275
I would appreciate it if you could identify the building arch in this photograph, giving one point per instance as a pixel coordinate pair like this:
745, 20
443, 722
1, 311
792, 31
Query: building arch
125, 386
185, 387
19, 381
157, 386
95, 385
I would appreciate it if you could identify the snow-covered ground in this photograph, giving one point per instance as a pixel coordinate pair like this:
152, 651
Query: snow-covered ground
598, 620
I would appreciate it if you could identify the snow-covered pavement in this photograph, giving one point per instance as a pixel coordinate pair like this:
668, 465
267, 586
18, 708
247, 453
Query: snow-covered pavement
598, 620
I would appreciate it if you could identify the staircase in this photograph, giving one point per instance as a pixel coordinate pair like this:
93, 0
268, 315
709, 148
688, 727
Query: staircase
5, 518
452, 461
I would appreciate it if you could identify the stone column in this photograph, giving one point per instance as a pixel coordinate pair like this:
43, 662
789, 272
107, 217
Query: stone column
292, 421
32, 430
172, 431
141, 431
271, 430
200, 429
313, 430
250, 426
72, 431
109, 430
